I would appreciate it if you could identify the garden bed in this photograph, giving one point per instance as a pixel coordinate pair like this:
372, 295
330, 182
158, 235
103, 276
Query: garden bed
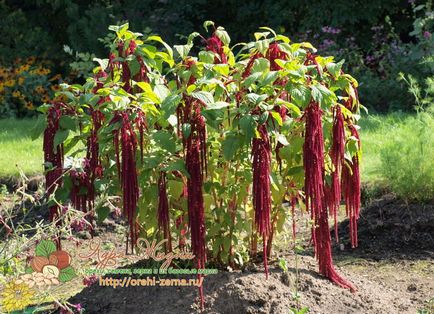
393, 280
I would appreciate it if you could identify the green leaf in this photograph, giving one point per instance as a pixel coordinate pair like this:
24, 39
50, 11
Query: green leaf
183, 50
175, 188
60, 137
270, 77
230, 146
226, 244
67, 274
102, 213
186, 130
276, 116
207, 23
169, 105
205, 97
223, 35
251, 79
45, 248
177, 165
248, 126
146, 87
158, 38
282, 139
206, 56
103, 63
218, 105
165, 140
261, 65
39, 127
301, 96
335, 68
67, 123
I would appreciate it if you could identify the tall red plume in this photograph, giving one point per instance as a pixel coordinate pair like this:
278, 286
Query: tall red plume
163, 211
127, 171
351, 190
337, 156
53, 156
196, 164
313, 160
261, 152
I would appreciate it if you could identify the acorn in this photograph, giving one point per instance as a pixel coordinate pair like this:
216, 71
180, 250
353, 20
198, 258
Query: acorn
38, 262
63, 259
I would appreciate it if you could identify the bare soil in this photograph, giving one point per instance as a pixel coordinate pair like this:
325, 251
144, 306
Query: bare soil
393, 269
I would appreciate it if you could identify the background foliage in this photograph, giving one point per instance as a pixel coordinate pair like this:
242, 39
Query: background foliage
378, 39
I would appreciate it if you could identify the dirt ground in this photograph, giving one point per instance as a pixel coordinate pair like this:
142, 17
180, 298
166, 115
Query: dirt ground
393, 270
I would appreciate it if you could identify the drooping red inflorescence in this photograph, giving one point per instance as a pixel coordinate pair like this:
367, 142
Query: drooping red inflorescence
127, 170
53, 156
351, 189
215, 45
337, 152
261, 152
196, 164
163, 211
313, 162
274, 53
81, 186
142, 126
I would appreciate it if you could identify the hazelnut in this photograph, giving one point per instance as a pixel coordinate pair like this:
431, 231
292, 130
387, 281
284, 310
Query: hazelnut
53, 260
63, 259
51, 269
38, 262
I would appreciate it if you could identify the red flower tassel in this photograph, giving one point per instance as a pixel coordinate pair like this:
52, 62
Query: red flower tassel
261, 151
163, 211
127, 172
313, 160
351, 190
215, 45
53, 156
337, 156
196, 164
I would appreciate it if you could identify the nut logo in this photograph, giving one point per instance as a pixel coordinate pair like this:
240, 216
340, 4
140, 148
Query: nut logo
49, 266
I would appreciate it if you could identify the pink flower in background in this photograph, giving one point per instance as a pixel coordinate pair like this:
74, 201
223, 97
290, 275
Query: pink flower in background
426, 35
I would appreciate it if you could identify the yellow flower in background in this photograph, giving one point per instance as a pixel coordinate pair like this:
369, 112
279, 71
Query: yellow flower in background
29, 105
39, 89
42, 71
24, 67
55, 88
10, 83
31, 60
16, 94
2, 88
16, 297
45, 98
3, 72
21, 80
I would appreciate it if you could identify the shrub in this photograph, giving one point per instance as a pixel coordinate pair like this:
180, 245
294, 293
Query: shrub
25, 86
224, 138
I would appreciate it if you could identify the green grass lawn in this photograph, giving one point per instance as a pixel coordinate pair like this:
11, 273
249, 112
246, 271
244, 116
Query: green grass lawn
20, 152
17, 150
397, 152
